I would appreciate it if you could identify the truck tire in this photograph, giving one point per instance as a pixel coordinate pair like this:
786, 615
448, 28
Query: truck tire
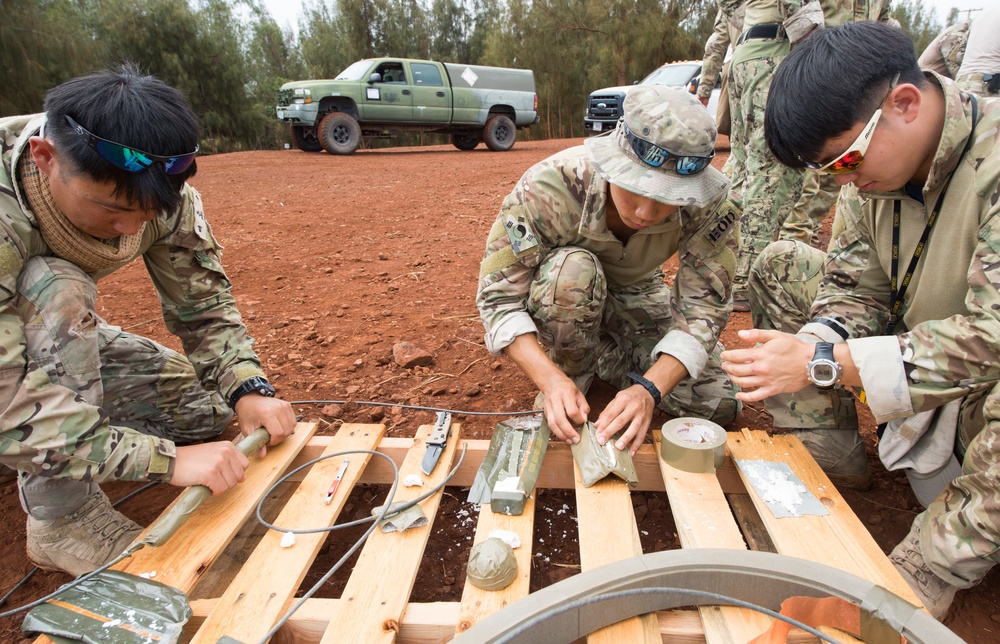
466, 141
499, 133
339, 133
304, 138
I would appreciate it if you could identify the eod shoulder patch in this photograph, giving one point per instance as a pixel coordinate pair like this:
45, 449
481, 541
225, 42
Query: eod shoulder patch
727, 216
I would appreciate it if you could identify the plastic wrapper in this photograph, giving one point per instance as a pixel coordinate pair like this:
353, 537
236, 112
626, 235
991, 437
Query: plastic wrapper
597, 461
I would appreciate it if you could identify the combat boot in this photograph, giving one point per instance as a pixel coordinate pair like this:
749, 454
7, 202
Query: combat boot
841, 454
83, 541
935, 593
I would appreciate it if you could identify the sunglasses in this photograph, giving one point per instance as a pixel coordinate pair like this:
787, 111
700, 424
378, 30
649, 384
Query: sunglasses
852, 159
130, 159
655, 156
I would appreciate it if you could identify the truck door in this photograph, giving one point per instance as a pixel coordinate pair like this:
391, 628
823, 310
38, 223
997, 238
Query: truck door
431, 94
391, 98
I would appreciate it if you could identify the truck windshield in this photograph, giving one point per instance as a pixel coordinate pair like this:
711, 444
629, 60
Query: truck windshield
672, 75
355, 72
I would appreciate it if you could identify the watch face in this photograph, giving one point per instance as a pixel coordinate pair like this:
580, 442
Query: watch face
823, 373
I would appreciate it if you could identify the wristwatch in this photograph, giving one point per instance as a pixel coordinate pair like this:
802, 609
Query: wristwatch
256, 385
823, 370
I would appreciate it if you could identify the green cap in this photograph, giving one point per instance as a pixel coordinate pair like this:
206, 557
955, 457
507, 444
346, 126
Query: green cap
672, 119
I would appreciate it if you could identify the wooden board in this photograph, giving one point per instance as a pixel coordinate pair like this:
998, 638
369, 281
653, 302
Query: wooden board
703, 520
375, 598
249, 608
608, 533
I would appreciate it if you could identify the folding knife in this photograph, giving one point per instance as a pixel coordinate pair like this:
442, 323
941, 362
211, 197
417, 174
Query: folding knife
436, 442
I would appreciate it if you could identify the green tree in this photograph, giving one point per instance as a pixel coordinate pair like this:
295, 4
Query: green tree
917, 21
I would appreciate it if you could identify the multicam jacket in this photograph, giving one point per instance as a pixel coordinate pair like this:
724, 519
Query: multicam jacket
725, 32
799, 17
46, 423
945, 53
947, 341
561, 202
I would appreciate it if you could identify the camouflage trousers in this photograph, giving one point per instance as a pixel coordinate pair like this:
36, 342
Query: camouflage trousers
766, 189
587, 327
138, 383
804, 222
960, 529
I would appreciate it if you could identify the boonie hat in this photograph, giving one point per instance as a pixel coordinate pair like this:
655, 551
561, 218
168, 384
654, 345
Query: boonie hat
668, 120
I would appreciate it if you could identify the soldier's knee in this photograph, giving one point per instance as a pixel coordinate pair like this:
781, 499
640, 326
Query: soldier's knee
727, 411
569, 276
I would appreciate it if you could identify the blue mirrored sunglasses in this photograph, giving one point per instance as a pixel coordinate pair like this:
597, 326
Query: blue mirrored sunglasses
655, 156
130, 159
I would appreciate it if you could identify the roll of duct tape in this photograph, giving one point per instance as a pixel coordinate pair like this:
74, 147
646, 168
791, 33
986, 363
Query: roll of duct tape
693, 444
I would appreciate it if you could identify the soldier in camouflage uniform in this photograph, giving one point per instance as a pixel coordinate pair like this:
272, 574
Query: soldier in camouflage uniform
945, 53
980, 70
904, 309
725, 32
764, 189
85, 402
571, 283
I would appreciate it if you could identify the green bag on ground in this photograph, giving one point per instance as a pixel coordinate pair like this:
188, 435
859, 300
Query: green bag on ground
597, 461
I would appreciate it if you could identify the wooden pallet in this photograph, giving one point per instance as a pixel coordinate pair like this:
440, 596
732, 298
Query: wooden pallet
374, 606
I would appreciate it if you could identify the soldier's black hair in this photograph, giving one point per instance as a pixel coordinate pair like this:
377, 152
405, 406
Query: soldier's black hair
832, 81
124, 105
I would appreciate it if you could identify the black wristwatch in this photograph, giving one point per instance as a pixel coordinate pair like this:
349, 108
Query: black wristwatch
823, 370
256, 385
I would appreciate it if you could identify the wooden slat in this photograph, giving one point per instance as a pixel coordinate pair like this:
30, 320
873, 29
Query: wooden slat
249, 608
838, 539
182, 560
608, 533
477, 603
375, 598
557, 473
703, 520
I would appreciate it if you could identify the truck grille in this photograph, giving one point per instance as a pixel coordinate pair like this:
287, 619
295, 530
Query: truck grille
605, 107
285, 97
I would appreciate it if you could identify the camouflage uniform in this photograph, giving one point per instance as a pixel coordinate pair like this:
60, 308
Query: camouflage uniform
769, 189
725, 32
84, 401
945, 53
982, 54
946, 345
552, 267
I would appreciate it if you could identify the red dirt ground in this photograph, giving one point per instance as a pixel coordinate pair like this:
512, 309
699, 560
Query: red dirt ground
335, 259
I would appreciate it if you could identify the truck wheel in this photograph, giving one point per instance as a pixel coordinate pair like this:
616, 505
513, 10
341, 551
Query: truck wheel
466, 141
499, 133
304, 138
339, 133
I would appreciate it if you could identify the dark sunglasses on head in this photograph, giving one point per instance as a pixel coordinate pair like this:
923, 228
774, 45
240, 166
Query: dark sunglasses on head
655, 156
130, 159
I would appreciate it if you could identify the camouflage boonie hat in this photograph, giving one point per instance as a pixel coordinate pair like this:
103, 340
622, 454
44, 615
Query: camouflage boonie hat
671, 119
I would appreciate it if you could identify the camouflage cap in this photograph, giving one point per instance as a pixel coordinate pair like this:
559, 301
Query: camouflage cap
671, 119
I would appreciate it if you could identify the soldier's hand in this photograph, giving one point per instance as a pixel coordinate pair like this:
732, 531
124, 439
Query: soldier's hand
218, 466
273, 414
565, 409
631, 410
704, 100
777, 366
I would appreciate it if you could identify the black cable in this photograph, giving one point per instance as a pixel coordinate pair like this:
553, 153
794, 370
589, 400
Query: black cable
521, 628
455, 412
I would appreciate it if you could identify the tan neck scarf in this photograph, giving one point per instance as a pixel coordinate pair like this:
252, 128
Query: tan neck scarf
65, 239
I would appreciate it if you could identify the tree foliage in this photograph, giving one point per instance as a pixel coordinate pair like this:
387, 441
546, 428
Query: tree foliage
229, 56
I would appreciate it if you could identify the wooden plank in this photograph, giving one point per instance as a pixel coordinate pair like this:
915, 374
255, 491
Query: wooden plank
838, 539
182, 560
478, 603
703, 520
375, 598
434, 623
751, 526
608, 533
556, 474
249, 608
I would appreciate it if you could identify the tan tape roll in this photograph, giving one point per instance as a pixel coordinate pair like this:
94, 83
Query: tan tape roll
693, 445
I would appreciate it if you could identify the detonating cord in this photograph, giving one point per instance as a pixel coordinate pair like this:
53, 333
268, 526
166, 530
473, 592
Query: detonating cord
454, 412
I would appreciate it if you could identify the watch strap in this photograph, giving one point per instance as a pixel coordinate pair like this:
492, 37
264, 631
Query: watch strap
648, 385
255, 385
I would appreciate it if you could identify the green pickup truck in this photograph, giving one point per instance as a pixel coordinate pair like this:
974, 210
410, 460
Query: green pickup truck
377, 96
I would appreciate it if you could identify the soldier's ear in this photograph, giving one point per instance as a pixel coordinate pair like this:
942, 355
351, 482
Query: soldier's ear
904, 101
44, 153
